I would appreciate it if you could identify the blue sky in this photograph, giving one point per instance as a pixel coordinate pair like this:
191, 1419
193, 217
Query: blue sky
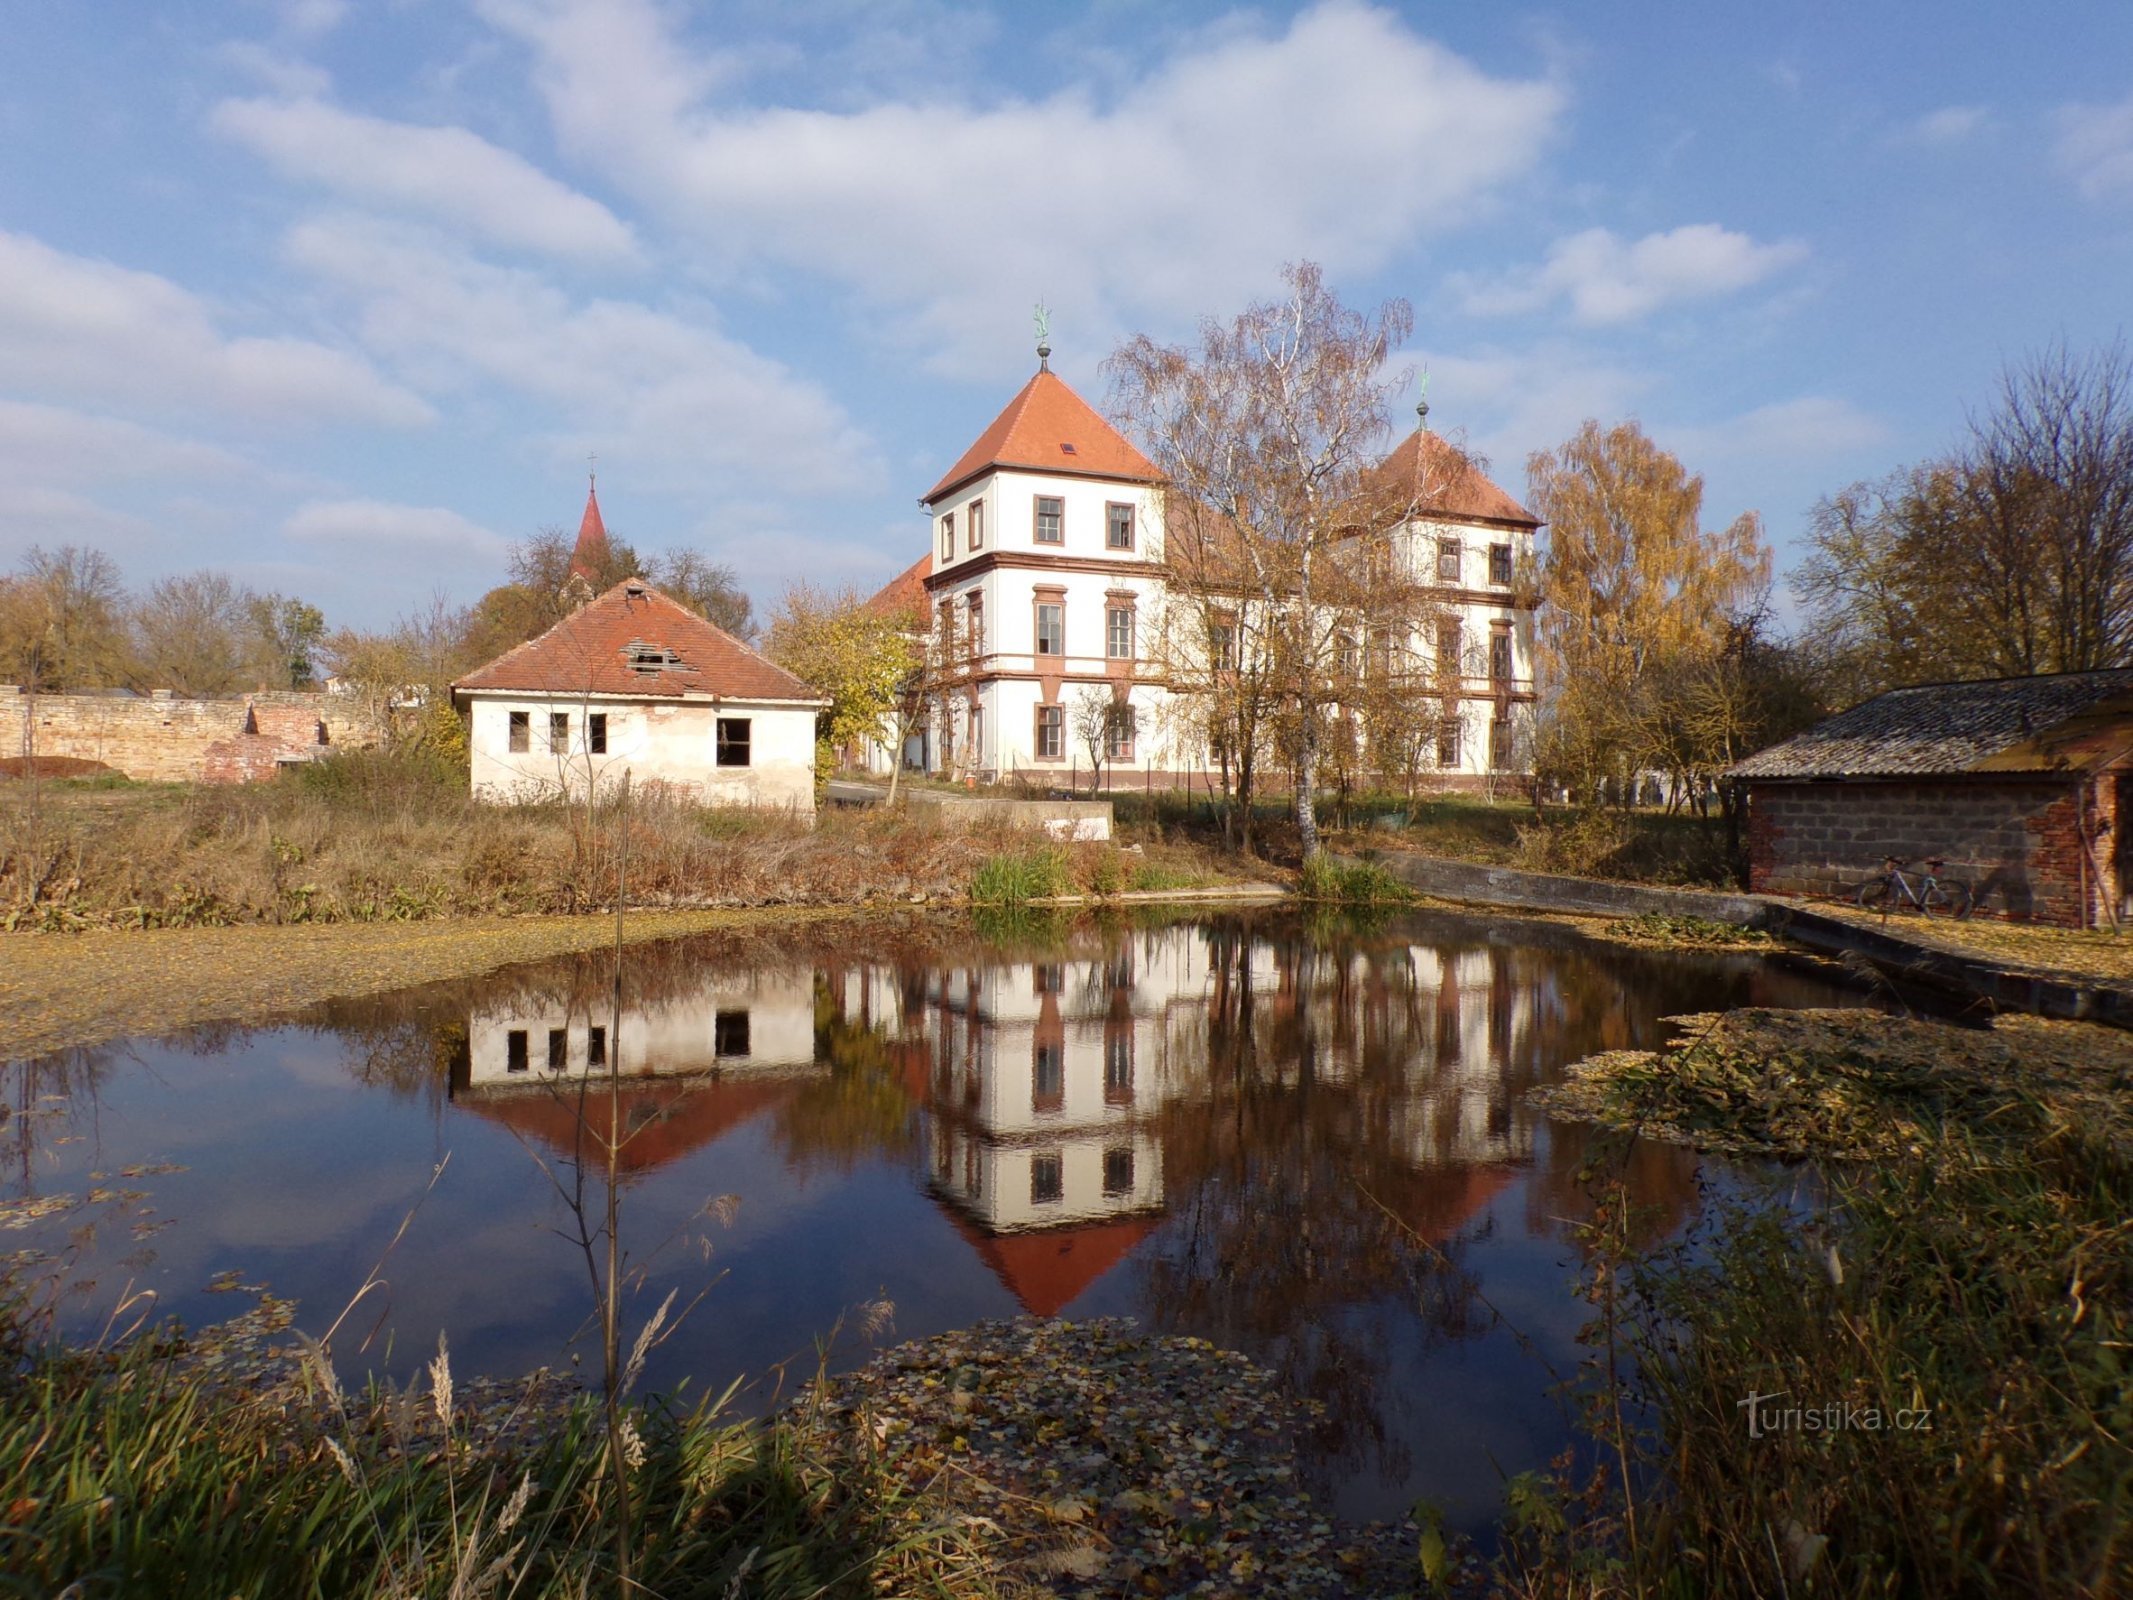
339, 296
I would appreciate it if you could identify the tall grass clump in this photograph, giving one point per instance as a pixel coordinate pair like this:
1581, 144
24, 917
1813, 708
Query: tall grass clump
1330, 881
1016, 877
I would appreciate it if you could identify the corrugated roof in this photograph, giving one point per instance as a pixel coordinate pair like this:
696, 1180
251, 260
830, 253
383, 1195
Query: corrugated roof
635, 641
1447, 484
1049, 428
2064, 722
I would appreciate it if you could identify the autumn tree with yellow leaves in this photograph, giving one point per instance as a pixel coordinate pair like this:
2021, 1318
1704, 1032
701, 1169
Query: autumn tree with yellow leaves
1640, 605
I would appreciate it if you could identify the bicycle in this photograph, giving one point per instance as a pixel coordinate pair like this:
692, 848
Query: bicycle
1930, 896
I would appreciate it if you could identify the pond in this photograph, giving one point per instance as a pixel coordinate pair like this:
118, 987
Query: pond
1300, 1139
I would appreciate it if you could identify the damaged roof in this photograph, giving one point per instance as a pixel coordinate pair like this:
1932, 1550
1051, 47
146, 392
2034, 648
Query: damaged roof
2063, 722
637, 642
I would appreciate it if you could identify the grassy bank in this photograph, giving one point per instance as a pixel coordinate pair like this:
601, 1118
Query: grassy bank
1916, 1381
366, 838
144, 1472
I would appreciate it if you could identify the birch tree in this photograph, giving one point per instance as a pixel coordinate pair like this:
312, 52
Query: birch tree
1265, 432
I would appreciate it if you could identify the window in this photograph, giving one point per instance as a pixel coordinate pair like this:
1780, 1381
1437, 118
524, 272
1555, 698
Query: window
1051, 733
1118, 527
521, 732
1051, 627
1118, 1170
1500, 745
559, 731
1447, 560
729, 1033
1118, 1069
596, 733
1500, 656
1048, 977
1045, 1183
1119, 724
1051, 519
975, 644
515, 1050
948, 537
734, 737
558, 1049
1450, 645
1448, 742
977, 525
1118, 632
1500, 565
596, 1047
1222, 643
1047, 1090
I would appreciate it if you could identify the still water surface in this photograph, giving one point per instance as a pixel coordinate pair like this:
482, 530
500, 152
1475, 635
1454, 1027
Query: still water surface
1210, 1125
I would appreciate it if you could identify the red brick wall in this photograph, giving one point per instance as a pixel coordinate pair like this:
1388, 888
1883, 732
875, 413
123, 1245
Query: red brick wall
2017, 842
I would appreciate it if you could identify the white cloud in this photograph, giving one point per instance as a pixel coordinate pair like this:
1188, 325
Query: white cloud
1808, 428
1342, 139
1609, 280
2095, 148
448, 174
284, 74
392, 530
1949, 125
74, 326
39, 515
652, 387
1508, 404
52, 445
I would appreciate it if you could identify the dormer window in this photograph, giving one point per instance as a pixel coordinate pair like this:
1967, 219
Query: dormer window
1068, 450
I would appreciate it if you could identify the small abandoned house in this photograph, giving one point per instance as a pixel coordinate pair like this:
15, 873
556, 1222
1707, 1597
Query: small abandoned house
635, 682
2017, 782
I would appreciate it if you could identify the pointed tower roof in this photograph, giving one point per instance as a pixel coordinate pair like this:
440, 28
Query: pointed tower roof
1049, 428
589, 557
1450, 487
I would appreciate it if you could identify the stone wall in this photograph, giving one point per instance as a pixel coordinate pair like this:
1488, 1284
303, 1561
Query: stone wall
2017, 842
160, 738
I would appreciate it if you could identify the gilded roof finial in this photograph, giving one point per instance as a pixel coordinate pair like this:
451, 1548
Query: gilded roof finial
1044, 338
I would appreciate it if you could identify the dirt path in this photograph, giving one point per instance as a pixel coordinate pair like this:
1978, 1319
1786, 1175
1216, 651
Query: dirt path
61, 990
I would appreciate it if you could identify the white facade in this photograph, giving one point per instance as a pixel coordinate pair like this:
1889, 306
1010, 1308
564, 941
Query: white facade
1042, 627
713, 751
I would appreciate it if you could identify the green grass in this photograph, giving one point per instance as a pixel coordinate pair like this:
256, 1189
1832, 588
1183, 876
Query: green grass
1351, 883
130, 1474
1018, 877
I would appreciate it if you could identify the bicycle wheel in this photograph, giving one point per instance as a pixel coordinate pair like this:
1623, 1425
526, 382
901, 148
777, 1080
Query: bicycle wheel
1947, 900
1874, 896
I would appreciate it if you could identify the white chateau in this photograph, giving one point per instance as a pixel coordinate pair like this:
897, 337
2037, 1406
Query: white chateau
1047, 572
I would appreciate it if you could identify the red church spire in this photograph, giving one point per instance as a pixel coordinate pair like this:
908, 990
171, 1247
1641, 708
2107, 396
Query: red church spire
589, 559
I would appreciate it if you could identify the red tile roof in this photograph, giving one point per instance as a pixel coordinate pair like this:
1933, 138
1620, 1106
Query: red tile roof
660, 1119
589, 558
1036, 431
1450, 486
1048, 1269
598, 649
905, 594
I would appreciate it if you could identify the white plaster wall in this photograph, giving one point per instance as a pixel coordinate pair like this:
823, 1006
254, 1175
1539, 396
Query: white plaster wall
992, 1180
668, 742
673, 1037
1010, 497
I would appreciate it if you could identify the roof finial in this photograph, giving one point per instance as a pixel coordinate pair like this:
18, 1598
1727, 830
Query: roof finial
1044, 338
1422, 402
592, 474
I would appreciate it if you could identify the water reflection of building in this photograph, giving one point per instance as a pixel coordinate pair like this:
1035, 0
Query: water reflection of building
1045, 1085
694, 1064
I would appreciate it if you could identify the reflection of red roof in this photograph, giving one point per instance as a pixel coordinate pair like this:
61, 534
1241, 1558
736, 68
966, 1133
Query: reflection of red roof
663, 1119
905, 594
1047, 1270
1049, 428
634, 641
1448, 484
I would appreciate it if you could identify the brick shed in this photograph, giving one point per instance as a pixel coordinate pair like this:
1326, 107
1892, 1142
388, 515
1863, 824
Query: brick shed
2018, 782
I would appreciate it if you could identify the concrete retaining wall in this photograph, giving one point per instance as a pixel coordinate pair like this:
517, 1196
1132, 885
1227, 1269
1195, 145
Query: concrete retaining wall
1062, 819
1904, 960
